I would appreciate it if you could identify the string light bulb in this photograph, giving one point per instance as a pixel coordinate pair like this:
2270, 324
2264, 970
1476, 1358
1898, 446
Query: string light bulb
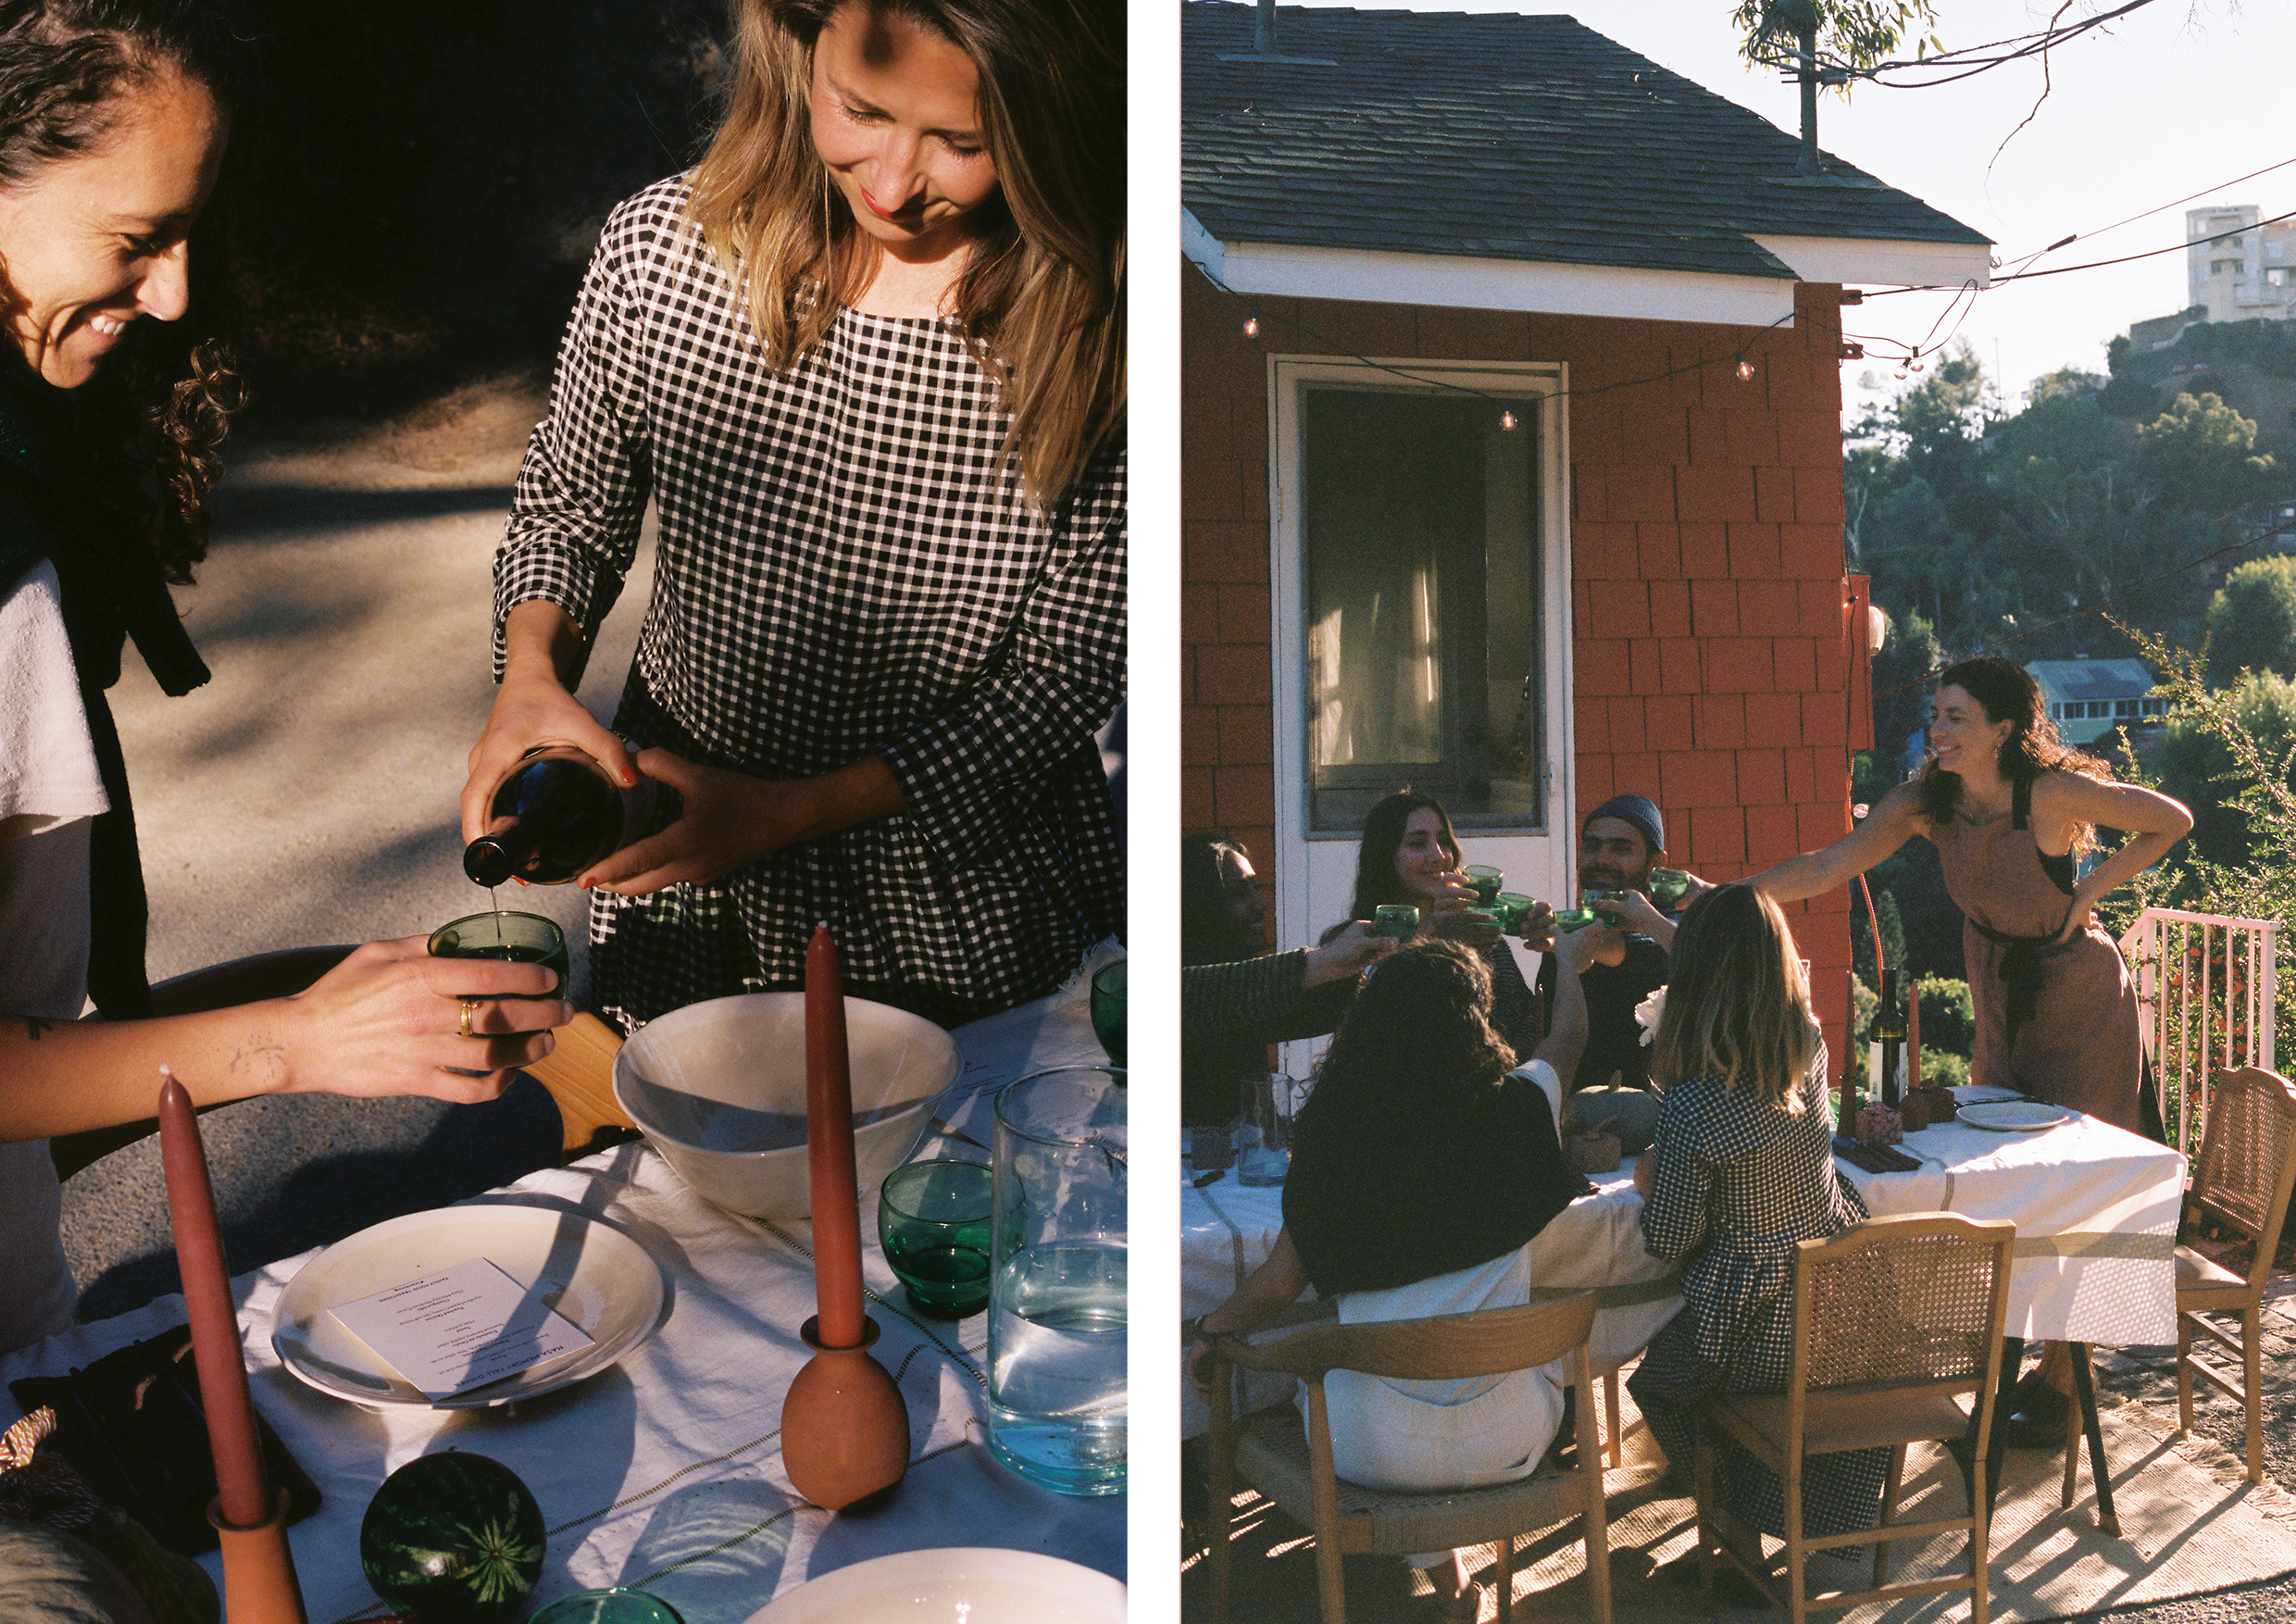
1251, 325
1745, 370
1898, 374
1915, 362
1506, 421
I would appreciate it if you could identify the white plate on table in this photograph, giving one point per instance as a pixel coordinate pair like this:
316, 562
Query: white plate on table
1981, 1094
954, 1585
2013, 1116
591, 1273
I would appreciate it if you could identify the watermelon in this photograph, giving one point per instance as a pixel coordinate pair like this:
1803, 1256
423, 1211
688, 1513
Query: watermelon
453, 1539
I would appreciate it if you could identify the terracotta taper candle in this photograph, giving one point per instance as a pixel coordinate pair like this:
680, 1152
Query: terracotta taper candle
844, 1426
1913, 1037
259, 1585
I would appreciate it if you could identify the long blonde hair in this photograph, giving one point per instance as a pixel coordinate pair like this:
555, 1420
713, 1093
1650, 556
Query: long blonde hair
1041, 299
1737, 1004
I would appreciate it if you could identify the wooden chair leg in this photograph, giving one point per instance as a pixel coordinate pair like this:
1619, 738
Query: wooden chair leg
1219, 1493
1703, 1487
1506, 1578
2100, 1469
1889, 1515
1980, 1518
2253, 1394
1797, 1589
2184, 1372
1610, 1414
1596, 1528
2072, 1455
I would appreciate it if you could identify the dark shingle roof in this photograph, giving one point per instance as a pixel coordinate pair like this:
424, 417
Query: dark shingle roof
2095, 679
1498, 137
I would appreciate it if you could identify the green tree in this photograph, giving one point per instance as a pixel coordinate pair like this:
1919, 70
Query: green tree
1860, 32
2201, 763
2252, 621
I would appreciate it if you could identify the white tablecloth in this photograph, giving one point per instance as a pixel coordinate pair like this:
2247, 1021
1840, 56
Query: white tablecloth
2096, 1211
1228, 1229
664, 1472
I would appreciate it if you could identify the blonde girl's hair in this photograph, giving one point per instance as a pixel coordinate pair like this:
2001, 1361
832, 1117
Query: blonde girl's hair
1737, 1004
1041, 299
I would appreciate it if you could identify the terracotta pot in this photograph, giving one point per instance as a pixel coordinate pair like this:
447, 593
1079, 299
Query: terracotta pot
844, 1425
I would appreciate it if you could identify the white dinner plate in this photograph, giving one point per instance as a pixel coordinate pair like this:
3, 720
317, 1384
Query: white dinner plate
2013, 1116
593, 1273
1978, 1094
954, 1585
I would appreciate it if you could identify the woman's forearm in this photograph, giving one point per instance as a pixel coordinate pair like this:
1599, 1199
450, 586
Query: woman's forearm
1266, 1291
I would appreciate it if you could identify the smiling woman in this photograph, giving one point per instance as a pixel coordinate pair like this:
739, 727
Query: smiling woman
867, 359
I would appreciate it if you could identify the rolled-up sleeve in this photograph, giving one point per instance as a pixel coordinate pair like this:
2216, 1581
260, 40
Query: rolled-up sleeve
582, 488
969, 772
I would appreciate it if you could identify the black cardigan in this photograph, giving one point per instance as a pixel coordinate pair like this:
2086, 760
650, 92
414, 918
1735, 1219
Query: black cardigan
1387, 1187
113, 589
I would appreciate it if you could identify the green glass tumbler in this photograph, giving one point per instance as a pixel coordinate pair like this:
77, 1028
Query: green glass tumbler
521, 938
1668, 887
1398, 920
608, 1606
933, 1219
1571, 919
1108, 1009
1485, 880
1514, 910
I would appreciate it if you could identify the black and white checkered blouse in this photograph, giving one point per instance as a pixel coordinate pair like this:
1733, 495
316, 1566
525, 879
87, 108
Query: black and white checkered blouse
844, 569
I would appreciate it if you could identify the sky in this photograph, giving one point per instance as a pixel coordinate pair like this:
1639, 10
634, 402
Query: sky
2182, 96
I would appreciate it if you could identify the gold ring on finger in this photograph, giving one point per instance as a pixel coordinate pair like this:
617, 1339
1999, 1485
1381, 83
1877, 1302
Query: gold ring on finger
469, 1008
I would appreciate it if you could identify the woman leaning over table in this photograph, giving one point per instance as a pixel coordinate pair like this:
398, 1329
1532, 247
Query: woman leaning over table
113, 395
2012, 809
1423, 1165
1742, 1169
868, 360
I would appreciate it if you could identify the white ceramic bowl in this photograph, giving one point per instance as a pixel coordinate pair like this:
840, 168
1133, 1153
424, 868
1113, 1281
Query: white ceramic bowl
721, 1090
957, 1586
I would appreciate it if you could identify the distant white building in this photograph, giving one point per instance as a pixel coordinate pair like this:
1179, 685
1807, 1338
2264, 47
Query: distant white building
2239, 271
2088, 699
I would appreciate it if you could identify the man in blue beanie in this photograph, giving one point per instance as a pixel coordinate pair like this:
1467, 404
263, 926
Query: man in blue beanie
1620, 842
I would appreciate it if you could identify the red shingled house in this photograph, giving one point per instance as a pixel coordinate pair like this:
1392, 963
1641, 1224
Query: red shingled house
1406, 232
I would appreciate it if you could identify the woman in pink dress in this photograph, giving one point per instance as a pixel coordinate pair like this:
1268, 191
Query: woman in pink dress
2012, 809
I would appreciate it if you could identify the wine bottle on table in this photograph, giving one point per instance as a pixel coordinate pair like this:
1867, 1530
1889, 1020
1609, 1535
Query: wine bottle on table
1888, 1047
559, 812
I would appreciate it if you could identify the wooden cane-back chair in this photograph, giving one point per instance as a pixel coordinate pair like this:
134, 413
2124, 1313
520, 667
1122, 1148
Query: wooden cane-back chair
1895, 1320
1294, 1467
2248, 1162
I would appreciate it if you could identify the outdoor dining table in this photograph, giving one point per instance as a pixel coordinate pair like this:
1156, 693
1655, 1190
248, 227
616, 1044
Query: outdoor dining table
2096, 1209
664, 1472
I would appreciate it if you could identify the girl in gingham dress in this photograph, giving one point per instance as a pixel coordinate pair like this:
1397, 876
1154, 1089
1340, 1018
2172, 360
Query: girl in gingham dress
867, 363
1742, 1170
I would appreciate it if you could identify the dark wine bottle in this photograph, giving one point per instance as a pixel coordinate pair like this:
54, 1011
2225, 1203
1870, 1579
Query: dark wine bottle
1889, 1041
557, 813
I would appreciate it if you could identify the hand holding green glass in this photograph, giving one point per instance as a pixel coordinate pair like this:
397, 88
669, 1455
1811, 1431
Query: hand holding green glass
1668, 887
1485, 880
1400, 920
1514, 910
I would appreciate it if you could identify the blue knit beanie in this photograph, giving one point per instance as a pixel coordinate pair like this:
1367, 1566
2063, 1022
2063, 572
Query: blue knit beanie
1639, 810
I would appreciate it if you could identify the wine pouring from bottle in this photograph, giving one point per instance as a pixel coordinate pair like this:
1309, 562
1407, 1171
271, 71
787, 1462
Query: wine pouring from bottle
559, 812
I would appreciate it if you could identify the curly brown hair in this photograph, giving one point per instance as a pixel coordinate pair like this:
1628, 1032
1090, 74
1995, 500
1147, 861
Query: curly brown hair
2007, 692
158, 413
1421, 1026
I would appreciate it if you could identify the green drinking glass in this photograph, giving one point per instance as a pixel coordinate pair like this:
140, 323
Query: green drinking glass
1668, 887
521, 938
1398, 920
1485, 880
1108, 1009
1571, 919
608, 1606
1514, 910
1596, 901
933, 1219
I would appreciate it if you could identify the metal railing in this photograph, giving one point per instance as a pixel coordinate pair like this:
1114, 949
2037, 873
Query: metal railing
2205, 986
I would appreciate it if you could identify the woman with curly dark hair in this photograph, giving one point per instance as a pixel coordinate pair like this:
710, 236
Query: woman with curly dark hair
2012, 810
114, 390
1423, 1165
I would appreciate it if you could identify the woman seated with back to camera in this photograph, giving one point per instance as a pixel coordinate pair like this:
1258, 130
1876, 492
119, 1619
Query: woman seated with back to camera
1742, 1170
1422, 1167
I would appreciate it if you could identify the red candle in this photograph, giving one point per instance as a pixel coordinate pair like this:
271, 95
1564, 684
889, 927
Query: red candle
828, 1146
243, 1498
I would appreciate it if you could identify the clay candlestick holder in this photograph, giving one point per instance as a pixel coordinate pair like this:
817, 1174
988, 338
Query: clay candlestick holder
844, 1425
259, 1583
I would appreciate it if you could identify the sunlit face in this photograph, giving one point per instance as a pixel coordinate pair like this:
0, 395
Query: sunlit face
1425, 856
1614, 856
897, 123
92, 243
1959, 731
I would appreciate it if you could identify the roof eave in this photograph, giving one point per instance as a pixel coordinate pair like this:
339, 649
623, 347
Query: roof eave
1461, 281
1881, 262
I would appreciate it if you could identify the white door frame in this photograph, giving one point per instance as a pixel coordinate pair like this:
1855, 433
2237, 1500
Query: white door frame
1543, 863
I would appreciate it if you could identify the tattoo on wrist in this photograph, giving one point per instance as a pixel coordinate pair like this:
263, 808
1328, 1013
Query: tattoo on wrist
263, 1056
